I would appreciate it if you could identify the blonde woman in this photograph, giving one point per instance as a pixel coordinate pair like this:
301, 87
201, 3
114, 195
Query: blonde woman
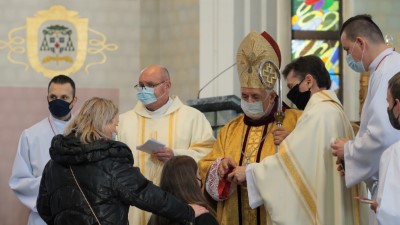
90, 178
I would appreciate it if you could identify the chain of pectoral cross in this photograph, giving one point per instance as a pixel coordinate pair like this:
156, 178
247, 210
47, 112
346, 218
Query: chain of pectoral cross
248, 156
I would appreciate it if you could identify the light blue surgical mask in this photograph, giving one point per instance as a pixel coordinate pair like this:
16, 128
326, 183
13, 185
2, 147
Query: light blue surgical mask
114, 136
254, 110
146, 95
356, 66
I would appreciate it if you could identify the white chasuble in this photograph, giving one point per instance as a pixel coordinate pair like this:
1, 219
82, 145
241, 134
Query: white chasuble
300, 185
182, 128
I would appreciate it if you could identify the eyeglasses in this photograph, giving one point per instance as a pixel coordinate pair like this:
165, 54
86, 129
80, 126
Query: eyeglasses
142, 86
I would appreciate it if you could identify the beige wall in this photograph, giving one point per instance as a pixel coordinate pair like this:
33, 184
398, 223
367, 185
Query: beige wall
170, 36
23, 92
146, 32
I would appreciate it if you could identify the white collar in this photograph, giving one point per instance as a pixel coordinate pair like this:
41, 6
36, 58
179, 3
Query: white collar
161, 111
379, 58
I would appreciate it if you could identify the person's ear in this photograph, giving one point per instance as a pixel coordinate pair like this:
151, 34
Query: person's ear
309, 79
74, 102
397, 102
360, 41
168, 83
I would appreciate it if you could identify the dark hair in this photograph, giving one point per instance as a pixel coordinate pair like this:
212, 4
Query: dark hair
178, 177
362, 25
309, 64
62, 79
394, 86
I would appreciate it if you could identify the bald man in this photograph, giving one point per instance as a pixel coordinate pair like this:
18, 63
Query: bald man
183, 129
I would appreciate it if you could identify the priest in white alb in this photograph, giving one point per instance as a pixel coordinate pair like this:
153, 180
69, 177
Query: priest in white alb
182, 129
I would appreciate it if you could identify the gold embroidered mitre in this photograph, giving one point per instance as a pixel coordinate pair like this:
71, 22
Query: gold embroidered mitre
253, 50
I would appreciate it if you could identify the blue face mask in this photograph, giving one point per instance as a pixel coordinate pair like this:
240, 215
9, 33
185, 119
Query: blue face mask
114, 136
59, 108
146, 95
356, 66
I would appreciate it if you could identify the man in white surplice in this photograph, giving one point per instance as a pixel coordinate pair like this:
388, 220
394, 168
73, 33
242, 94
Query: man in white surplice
363, 41
300, 184
34, 143
388, 196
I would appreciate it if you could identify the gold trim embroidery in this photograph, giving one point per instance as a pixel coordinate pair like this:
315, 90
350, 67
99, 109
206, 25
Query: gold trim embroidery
306, 194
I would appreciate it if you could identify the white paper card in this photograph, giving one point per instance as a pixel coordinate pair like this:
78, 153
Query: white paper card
150, 146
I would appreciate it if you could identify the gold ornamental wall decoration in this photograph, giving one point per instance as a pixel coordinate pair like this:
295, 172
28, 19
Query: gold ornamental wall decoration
58, 41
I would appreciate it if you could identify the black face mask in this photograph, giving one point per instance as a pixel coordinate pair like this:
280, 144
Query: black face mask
300, 99
393, 120
59, 108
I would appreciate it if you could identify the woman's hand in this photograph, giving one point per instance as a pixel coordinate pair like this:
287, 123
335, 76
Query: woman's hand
198, 210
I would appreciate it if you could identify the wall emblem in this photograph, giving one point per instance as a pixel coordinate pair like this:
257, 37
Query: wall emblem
58, 41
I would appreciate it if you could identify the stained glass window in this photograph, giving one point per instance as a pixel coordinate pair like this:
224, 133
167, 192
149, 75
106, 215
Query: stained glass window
315, 30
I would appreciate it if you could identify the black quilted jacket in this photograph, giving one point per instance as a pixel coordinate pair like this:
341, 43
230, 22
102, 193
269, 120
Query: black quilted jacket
105, 173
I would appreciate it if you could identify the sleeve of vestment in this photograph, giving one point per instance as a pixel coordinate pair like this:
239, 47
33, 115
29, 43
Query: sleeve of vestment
216, 153
22, 181
388, 212
202, 138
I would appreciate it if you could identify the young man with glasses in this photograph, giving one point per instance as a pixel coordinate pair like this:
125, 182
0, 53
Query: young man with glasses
157, 115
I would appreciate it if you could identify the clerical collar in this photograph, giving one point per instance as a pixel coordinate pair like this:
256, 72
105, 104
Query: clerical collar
264, 120
58, 125
377, 61
162, 110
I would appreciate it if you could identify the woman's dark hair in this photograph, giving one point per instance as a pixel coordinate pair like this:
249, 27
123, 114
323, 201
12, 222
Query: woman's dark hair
178, 177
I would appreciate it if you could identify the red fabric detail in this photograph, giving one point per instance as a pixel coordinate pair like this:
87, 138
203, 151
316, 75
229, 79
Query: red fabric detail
223, 189
224, 186
274, 45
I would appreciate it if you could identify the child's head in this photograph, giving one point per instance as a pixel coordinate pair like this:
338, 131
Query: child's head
180, 177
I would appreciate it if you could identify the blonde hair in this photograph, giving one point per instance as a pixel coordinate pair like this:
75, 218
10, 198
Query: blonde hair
93, 116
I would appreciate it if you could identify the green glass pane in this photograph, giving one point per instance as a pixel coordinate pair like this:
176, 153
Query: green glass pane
315, 15
327, 50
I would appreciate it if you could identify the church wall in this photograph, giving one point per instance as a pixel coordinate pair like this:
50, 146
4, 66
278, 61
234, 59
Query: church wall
23, 90
170, 37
